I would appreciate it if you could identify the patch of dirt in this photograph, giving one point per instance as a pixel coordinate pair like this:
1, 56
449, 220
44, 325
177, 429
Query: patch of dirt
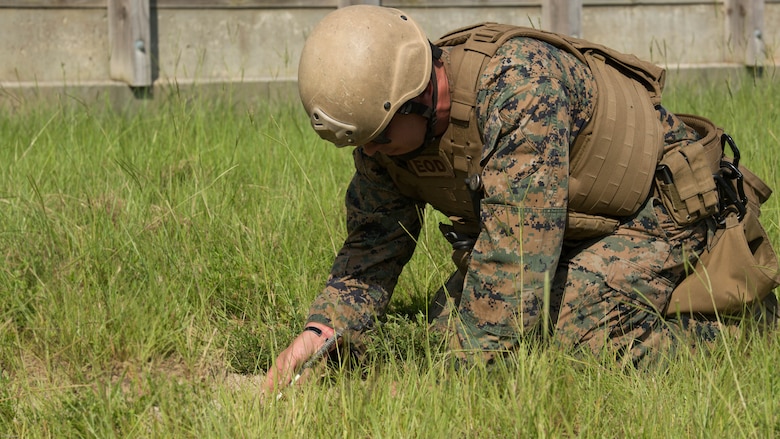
237, 381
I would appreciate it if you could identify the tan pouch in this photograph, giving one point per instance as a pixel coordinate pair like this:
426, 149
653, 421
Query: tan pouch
685, 183
683, 177
739, 267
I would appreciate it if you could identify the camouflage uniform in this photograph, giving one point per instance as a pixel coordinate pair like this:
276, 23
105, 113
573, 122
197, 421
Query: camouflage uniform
532, 102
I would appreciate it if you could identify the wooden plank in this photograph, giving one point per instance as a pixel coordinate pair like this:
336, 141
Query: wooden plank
647, 2
458, 3
130, 44
744, 31
562, 16
343, 3
173, 4
755, 54
40, 4
244, 4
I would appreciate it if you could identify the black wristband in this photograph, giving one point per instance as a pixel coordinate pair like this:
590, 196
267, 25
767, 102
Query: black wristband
314, 329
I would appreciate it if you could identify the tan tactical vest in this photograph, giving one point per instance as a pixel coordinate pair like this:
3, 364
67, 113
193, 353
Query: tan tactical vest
624, 134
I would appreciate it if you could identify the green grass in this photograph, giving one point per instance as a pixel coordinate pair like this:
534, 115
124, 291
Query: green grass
156, 261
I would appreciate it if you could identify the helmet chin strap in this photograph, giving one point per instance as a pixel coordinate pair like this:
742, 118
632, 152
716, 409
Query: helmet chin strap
430, 133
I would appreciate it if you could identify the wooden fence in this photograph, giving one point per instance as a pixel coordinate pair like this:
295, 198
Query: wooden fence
131, 33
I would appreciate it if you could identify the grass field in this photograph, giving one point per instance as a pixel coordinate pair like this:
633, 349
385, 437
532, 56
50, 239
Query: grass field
156, 261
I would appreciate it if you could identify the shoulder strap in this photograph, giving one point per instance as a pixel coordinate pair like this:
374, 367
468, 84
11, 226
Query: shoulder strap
486, 38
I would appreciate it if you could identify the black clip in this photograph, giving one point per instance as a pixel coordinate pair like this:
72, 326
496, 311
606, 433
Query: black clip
728, 200
730, 184
663, 173
726, 139
459, 241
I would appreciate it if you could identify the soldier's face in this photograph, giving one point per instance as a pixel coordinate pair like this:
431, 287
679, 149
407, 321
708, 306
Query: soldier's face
406, 132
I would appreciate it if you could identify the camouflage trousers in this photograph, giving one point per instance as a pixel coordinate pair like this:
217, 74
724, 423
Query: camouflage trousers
607, 296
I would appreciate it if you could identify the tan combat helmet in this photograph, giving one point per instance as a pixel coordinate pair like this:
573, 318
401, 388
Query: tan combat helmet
360, 64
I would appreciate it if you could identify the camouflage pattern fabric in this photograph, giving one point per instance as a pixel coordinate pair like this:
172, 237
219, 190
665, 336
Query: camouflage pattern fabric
383, 227
533, 100
615, 290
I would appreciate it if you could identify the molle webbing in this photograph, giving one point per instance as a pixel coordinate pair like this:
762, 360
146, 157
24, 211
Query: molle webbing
613, 159
486, 38
624, 135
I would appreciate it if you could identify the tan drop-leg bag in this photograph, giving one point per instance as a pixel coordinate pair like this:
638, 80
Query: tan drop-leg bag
739, 267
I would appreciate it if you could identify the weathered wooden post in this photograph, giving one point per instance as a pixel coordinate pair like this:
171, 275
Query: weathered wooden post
562, 16
343, 3
745, 31
130, 42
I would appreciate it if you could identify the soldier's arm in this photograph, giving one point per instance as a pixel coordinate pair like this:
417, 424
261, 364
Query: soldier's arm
523, 211
382, 228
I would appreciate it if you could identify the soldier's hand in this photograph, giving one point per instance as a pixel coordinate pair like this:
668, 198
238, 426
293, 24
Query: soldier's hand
290, 361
